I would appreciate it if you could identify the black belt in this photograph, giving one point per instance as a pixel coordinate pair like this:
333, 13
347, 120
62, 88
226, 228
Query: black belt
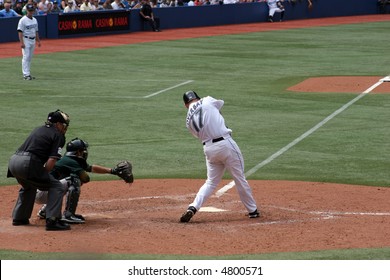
22, 153
31, 38
215, 140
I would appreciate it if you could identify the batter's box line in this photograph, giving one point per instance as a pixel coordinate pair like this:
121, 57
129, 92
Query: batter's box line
331, 213
117, 200
294, 221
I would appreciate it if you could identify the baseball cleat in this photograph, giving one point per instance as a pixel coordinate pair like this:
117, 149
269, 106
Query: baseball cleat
42, 212
79, 216
29, 78
186, 217
72, 219
254, 214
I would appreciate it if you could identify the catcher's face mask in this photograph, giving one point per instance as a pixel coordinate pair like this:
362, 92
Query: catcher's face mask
84, 154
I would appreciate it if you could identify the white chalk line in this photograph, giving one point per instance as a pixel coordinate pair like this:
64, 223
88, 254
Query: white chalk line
116, 200
385, 79
253, 170
330, 213
121, 97
164, 90
318, 214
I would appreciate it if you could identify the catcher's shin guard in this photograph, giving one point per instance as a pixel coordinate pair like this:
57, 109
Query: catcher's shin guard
72, 198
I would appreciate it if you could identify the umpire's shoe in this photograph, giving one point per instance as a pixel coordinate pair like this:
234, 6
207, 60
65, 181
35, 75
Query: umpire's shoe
186, 217
20, 222
53, 224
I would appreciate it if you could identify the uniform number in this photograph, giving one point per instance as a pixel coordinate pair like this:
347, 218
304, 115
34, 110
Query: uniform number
197, 120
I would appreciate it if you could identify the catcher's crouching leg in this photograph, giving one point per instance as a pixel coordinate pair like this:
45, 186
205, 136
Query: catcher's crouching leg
72, 199
41, 197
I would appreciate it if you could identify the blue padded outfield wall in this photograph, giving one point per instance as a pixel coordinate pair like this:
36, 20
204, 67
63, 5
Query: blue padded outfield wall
121, 21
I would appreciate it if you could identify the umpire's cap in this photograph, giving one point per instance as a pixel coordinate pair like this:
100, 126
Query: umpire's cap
189, 96
58, 116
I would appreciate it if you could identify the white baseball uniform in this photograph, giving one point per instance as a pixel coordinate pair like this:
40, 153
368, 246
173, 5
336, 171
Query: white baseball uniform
273, 7
206, 123
29, 28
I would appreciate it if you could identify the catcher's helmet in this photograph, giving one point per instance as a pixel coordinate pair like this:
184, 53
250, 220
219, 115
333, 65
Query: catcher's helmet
189, 96
76, 145
58, 116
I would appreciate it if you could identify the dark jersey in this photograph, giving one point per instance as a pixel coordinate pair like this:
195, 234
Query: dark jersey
146, 9
70, 165
44, 142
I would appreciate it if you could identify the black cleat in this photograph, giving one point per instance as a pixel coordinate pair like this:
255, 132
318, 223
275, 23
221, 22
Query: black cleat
73, 219
254, 214
42, 212
186, 217
28, 78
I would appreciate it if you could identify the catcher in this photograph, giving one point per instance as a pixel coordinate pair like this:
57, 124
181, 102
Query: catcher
74, 167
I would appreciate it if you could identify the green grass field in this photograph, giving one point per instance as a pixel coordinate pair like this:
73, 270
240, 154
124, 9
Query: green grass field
103, 91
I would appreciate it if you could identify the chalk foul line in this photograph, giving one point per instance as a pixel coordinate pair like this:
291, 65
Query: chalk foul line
172, 87
254, 169
122, 97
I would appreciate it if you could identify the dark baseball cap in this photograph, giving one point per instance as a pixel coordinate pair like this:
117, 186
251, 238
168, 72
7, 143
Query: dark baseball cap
58, 116
30, 7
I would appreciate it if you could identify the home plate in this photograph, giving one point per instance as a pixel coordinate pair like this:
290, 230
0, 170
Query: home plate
211, 209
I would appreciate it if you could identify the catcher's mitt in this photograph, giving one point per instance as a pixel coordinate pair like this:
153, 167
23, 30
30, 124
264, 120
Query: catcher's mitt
280, 5
124, 170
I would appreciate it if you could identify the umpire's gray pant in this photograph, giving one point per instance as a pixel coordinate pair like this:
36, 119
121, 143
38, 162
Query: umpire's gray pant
31, 174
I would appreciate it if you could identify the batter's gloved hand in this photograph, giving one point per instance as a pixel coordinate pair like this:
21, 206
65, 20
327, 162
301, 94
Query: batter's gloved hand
124, 170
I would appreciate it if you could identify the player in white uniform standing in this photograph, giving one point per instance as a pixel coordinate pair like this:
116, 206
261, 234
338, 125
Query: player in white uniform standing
28, 35
206, 123
275, 6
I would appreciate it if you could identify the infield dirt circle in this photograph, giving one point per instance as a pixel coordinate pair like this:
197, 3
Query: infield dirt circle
144, 218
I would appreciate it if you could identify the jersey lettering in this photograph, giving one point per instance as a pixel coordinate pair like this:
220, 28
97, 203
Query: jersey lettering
193, 111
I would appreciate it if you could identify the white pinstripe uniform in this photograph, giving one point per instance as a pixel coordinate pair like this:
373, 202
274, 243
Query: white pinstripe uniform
206, 123
273, 7
29, 28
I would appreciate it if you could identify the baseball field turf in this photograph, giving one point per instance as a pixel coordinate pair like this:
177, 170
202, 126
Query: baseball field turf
126, 101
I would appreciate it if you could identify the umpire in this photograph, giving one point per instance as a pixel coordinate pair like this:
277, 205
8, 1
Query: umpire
31, 164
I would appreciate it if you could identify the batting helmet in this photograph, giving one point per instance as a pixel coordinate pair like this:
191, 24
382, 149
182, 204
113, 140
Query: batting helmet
189, 96
76, 145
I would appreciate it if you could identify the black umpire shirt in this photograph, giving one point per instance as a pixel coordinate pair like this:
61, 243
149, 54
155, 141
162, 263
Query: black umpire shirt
44, 142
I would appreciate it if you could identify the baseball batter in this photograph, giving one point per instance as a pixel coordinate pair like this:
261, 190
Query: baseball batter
28, 35
206, 123
275, 6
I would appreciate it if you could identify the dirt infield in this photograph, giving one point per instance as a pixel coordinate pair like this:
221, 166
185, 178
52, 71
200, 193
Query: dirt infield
143, 218
348, 84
